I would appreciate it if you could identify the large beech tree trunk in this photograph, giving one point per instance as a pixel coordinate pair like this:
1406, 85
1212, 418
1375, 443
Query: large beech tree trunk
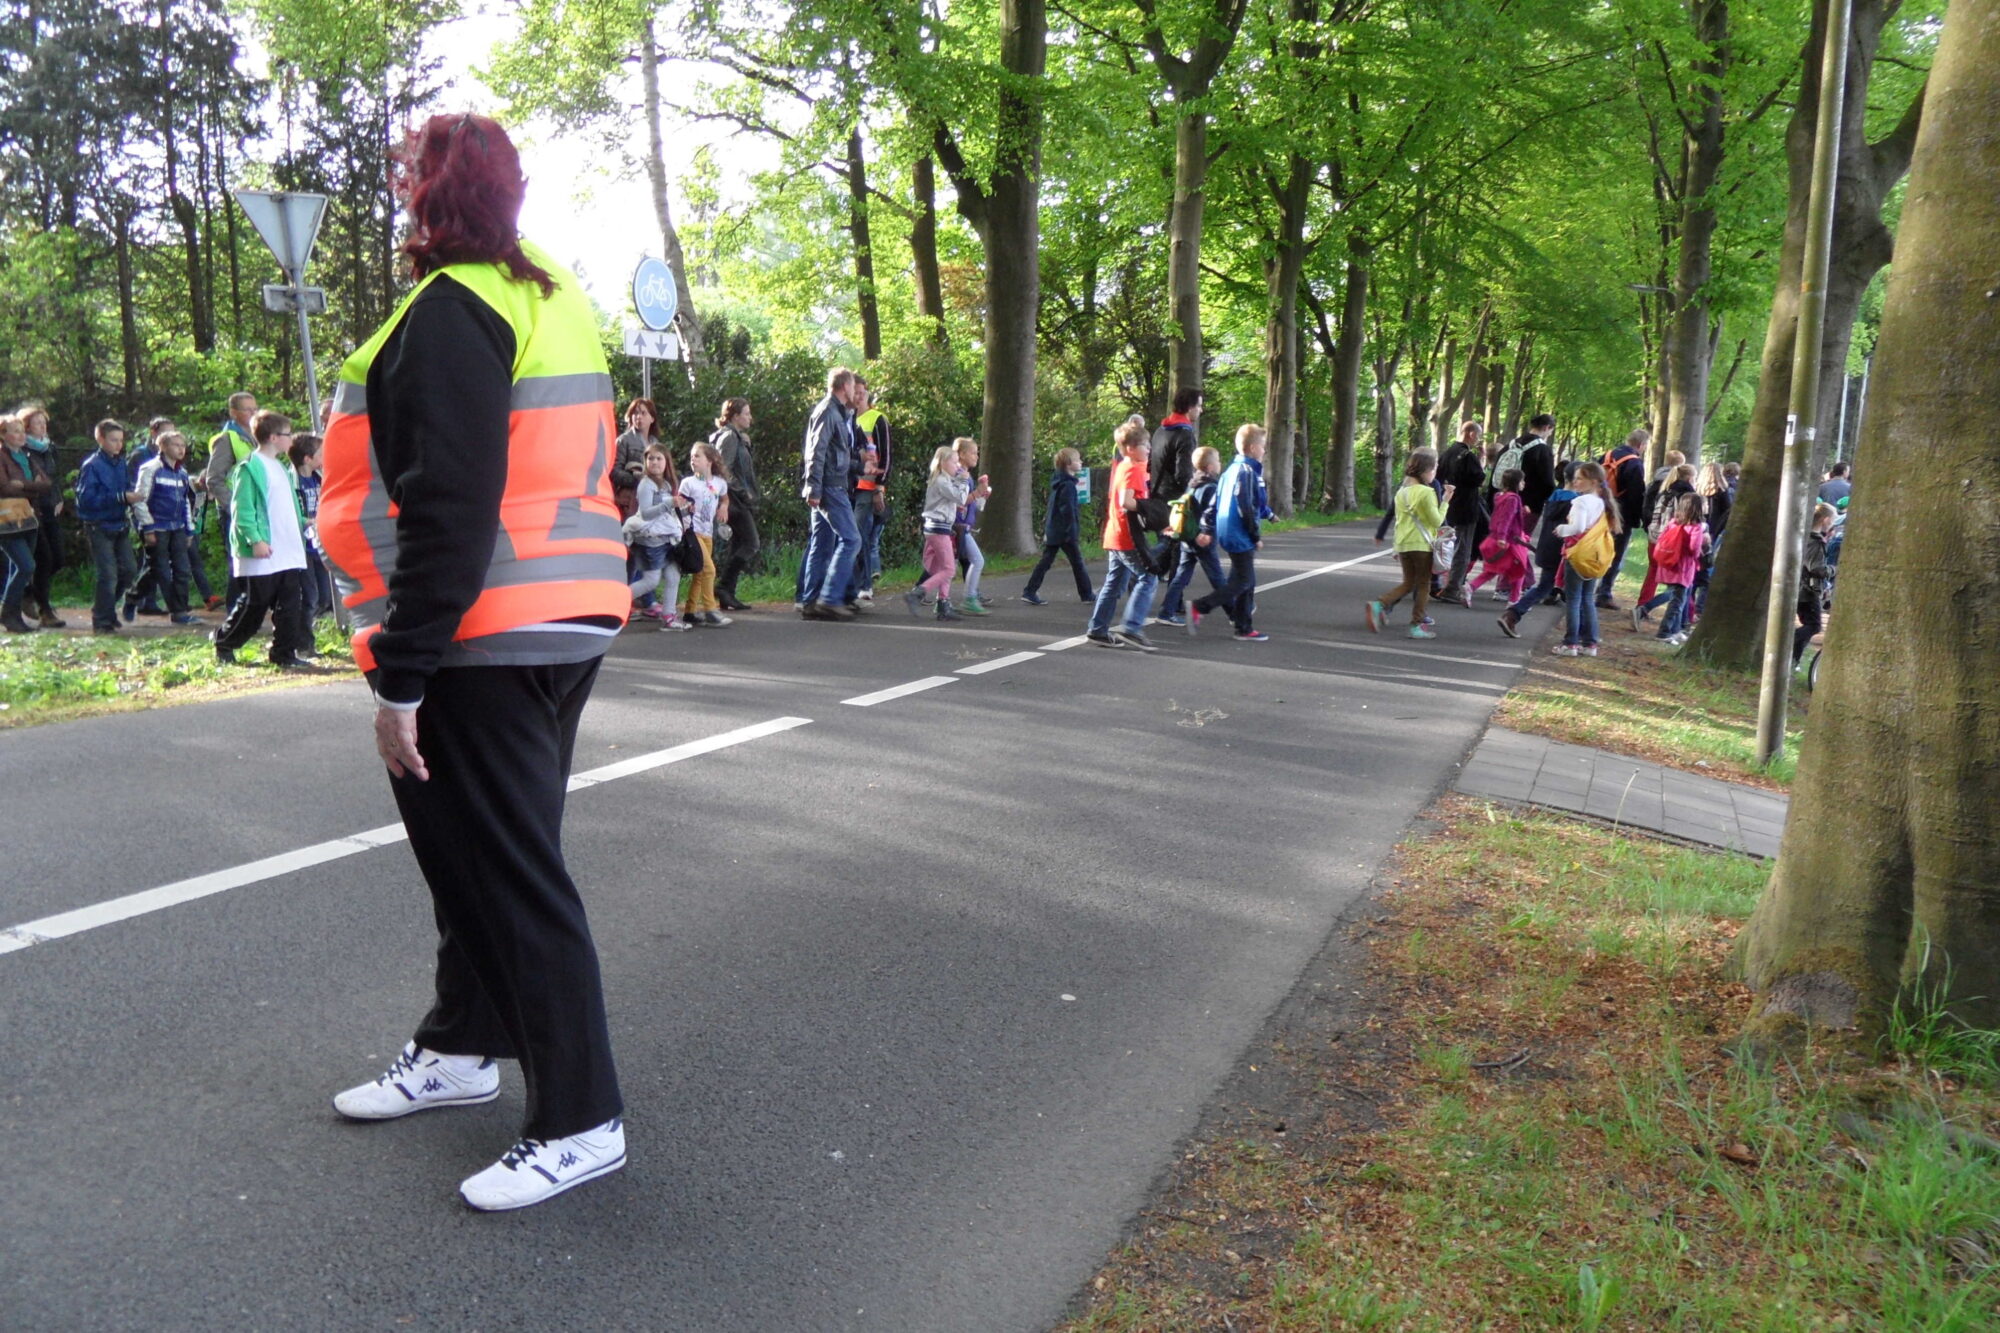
1690, 350
923, 249
1281, 333
864, 249
1890, 868
1184, 249
1731, 631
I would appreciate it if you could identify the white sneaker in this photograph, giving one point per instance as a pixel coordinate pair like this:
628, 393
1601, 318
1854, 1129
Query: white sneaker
419, 1080
533, 1170
865, 595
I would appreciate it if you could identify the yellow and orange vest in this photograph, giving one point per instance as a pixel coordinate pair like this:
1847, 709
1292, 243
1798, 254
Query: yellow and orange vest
559, 554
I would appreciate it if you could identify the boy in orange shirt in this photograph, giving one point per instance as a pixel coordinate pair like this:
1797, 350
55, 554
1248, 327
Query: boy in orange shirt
1129, 577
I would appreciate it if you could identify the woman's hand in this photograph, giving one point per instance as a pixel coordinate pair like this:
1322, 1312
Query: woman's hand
396, 742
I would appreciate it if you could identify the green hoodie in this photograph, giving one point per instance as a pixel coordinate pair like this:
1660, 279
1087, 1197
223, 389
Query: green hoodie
250, 511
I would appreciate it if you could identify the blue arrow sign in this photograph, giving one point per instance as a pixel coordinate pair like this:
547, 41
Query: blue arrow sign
653, 293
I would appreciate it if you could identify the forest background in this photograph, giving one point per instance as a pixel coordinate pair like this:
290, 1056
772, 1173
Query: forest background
1356, 221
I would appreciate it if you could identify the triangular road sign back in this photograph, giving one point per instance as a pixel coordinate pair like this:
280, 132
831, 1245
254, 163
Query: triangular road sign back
289, 223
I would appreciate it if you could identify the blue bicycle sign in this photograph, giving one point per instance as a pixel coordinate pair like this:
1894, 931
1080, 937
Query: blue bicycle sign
653, 293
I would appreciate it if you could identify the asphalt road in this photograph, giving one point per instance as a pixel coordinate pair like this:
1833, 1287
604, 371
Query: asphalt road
912, 1001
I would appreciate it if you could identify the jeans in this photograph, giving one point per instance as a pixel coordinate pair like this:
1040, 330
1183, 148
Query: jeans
1675, 599
868, 525
17, 550
1191, 556
829, 567
1580, 605
1538, 594
974, 561
111, 552
1050, 550
1237, 597
1610, 579
166, 571
646, 562
1126, 574
1461, 558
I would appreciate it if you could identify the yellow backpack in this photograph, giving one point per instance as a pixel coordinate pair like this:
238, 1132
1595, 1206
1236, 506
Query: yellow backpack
1592, 553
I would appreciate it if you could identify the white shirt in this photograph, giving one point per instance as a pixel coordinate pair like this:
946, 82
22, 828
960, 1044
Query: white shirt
1584, 511
706, 495
288, 541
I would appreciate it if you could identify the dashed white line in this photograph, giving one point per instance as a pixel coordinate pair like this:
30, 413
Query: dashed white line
284, 863
1011, 659
899, 691
1060, 644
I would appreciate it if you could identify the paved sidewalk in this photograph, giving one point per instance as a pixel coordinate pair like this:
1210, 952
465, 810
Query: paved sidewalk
1534, 770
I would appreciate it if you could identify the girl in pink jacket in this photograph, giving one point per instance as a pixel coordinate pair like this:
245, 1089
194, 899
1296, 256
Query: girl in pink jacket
1504, 553
1677, 559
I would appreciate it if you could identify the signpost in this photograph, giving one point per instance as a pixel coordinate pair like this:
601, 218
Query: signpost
657, 300
289, 224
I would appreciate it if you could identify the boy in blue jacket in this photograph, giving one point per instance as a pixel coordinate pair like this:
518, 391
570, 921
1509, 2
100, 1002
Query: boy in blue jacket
163, 515
103, 493
1061, 531
1232, 524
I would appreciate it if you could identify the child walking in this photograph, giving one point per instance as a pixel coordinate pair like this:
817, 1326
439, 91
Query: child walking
1504, 554
1591, 506
970, 558
1419, 513
654, 530
943, 496
305, 456
1062, 531
165, 523
1191, 525
1231, 520
1677, 557
267, 549
706, 489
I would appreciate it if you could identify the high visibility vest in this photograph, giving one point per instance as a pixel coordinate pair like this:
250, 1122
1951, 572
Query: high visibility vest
558, 554
864, 431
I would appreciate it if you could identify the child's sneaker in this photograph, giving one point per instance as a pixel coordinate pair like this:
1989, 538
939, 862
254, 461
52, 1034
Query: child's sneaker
1638, 617
914, 600
1193, 621
674, 625
1374, 613
418, 1081
1177, 621
533, 1169
1419, 632
1588, 650
1428, 623
1133, 638
865, 595
1034, 599
715, 619
1252, 636
1508, 623
186, 618
1565, 650
946, 611
972, 606
654, 612
1103, 639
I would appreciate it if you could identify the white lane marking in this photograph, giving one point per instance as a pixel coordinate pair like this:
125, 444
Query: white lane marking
284, 863
1011, 659
1323, 569
644, 763
898, 691
1060, 644
1412, 652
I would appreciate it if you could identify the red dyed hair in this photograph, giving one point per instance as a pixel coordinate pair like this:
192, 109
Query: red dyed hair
461, 180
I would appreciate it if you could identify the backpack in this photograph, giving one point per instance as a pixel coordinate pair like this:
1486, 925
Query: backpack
1509, 461
1184, 518
1592, 553
1671, 547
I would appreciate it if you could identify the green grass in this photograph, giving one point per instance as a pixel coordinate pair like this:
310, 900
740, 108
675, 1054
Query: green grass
1631, 1175
50, 676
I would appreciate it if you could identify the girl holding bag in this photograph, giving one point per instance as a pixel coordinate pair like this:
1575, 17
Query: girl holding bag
1419, 515
1589, 544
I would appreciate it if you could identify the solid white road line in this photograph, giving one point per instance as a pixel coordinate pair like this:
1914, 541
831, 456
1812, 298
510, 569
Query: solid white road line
898, 691
1415, 652
1060, 644
271, 867
1323, 569
1011, 659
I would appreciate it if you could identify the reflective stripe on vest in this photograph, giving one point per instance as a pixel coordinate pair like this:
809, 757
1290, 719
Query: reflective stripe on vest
557, 553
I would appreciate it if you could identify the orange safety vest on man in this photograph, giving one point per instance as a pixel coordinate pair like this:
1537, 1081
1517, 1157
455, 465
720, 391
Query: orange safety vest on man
558, 555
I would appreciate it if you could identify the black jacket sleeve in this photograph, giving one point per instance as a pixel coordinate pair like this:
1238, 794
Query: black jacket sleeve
439, 396
1538, 472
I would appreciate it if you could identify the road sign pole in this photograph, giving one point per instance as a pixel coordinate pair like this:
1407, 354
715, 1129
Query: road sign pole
646, 377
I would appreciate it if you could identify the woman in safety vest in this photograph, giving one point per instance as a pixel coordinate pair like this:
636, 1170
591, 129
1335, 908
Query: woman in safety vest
468, 519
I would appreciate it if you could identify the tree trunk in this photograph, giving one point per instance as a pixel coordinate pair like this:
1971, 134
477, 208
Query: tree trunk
1889, 875
1281, 333
1517, 391
864, 254
1184, 249
1690, 350
1013, 277
1731, 630
128, 313
1337, 487
656, 176
923, 249
1389, 356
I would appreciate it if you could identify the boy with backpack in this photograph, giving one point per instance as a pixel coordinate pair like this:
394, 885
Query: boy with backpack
1231, 521
1188, 517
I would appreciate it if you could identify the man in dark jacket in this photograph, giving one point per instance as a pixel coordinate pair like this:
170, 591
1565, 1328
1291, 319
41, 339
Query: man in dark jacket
1464, 467
1626, 467
1536, 458
1174, 444
827, 482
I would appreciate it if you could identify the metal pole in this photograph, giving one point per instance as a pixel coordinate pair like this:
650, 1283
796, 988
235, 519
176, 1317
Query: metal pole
1840, 434
1773, 691
646, 377
1861, 399
340, 615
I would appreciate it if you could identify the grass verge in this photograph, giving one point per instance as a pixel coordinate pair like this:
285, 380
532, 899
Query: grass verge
56, 677
1643, 701
1530, 1121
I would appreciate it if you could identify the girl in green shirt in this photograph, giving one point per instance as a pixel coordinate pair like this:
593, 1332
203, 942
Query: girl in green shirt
1419, 515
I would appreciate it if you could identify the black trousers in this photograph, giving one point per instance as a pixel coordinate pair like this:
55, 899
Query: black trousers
1236, 597
517, 974
48, 558
741, 553
1074, 553
283, 595
1811, 622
